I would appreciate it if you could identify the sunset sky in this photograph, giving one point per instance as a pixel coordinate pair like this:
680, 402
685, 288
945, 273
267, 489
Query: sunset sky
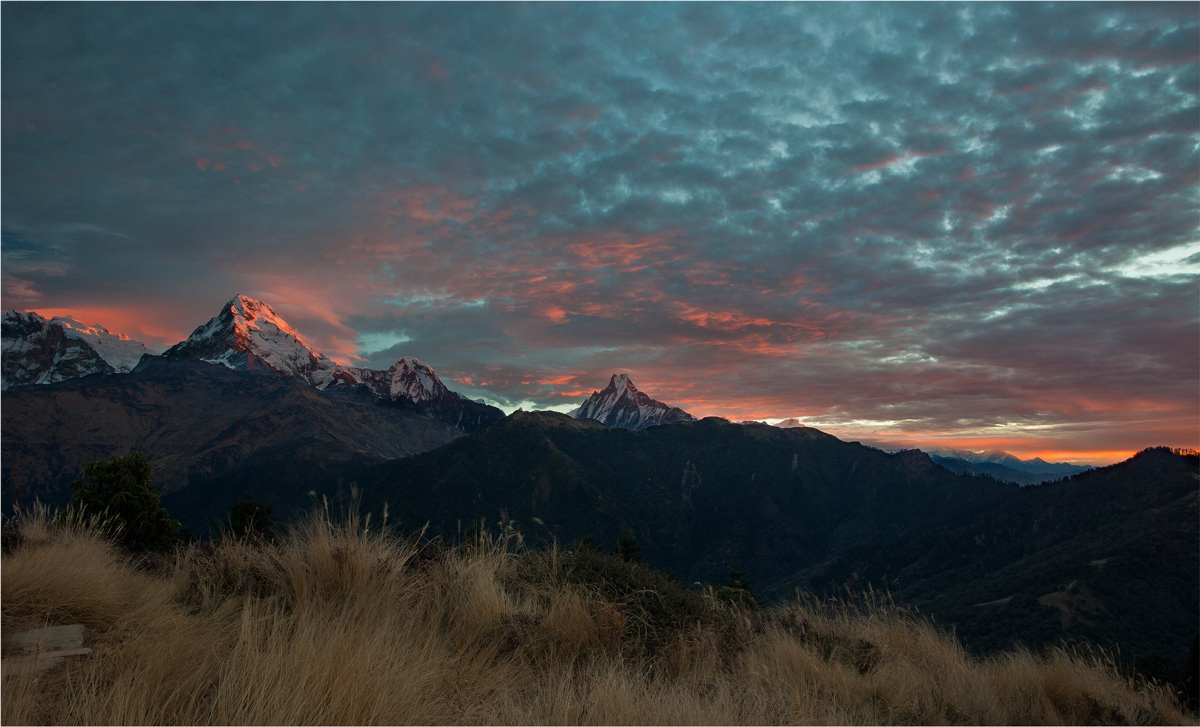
968, 225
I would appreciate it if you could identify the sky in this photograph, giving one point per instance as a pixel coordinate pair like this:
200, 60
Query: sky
943, 225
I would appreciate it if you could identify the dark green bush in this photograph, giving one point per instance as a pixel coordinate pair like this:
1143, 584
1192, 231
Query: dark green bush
120, 492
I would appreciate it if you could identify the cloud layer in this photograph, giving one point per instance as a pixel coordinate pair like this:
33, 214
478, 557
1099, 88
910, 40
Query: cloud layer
960, 223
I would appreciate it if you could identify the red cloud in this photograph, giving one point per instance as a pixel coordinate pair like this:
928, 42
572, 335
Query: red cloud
609, 249
153, 324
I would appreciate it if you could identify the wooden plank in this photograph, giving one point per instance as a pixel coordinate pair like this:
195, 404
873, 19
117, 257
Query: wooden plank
34, 651
53, 638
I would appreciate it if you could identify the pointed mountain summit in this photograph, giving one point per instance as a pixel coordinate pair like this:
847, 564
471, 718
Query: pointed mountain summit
249, 335
40, 351
622, 406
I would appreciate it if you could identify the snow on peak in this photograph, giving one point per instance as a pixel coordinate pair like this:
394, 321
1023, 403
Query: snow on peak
117, 349
414, 380
250, 314
621, 382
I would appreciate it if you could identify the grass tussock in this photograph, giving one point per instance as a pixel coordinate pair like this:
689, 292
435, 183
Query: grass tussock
339, 624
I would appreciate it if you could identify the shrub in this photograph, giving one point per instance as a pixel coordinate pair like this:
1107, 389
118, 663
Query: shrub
738, 592
250, 519
120, 491
627, 548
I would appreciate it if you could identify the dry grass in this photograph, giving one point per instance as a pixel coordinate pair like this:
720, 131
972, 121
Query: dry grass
338, 625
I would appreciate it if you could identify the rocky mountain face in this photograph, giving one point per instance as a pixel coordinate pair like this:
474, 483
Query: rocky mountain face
622, 406
40, 351
211, 433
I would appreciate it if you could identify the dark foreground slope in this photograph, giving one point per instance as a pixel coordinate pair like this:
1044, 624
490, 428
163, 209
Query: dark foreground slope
699, 497
337, 624
210, 434
1111, 556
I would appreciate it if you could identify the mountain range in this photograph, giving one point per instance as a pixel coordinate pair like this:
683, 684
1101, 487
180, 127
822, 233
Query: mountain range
249, 335
211, 433
1006, 467
1037, 464
244, 404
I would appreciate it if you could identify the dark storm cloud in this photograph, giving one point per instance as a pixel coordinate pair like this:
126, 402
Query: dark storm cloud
944, 217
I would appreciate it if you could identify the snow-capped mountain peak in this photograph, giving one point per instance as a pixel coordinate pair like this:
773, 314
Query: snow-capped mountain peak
622, 405
249, 334
415, 381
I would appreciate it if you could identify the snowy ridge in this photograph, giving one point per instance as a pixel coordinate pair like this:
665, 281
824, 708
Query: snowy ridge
119, 350
622, 406
40, 351
408, 378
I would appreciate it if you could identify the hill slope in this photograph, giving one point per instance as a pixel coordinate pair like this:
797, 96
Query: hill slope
699, 497
1111, 555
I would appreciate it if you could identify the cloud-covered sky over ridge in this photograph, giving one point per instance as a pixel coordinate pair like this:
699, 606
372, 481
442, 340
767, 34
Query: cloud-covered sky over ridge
960, 223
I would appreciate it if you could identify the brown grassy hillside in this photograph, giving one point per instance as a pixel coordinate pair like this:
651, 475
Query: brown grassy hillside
342, 624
